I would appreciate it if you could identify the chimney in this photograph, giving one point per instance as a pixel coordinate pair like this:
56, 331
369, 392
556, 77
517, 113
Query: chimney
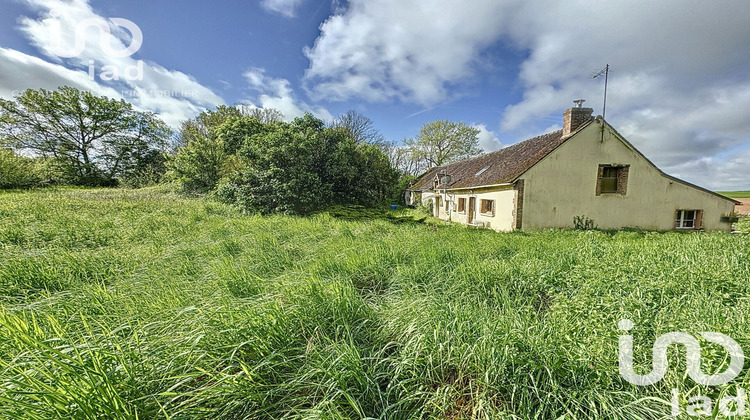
575, 117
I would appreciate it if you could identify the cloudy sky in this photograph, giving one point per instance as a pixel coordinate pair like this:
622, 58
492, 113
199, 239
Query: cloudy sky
679, 86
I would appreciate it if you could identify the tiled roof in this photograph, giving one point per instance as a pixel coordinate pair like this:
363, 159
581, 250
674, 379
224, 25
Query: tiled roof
499, 167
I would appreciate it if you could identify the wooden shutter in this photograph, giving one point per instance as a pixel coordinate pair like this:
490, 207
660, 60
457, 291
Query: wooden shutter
698, 219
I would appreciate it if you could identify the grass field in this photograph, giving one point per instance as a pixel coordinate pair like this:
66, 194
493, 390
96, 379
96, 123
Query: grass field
736, 194
143, 304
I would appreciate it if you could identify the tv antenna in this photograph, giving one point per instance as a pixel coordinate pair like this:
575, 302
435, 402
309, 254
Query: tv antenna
605, 72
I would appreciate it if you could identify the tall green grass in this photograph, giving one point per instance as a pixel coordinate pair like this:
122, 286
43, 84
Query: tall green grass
143, 304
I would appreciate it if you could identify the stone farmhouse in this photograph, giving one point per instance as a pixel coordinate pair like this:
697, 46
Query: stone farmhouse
587, 170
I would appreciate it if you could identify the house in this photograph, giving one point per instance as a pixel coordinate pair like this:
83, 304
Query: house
587, 170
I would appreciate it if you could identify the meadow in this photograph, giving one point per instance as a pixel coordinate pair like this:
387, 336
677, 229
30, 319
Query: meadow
145, 304
736, 194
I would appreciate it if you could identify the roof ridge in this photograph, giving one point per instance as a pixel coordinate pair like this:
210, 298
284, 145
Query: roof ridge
445, 165
502, 165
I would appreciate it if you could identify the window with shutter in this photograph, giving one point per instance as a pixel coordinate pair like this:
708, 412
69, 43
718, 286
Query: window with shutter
688, 219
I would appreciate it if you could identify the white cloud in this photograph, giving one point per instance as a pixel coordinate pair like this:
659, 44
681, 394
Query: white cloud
277, 93
728, 174
678, 87
487, 139
174, 95
410, 51
286, 8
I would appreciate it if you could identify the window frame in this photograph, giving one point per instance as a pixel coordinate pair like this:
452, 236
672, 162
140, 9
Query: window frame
462, 205
680, 220
491, 211
620, 179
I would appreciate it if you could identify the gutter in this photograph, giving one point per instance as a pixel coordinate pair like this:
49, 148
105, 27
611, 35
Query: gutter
506, 184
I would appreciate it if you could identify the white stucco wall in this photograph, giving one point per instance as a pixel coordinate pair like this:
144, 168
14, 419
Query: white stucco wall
504, 198
563, 185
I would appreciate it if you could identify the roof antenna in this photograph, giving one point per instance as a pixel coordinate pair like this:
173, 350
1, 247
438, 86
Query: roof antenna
605, 72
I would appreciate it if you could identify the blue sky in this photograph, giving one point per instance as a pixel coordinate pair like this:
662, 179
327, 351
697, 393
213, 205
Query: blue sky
679, 87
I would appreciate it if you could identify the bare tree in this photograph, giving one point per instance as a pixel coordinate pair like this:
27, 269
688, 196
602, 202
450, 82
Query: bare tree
263, 115
359, 127
403, 159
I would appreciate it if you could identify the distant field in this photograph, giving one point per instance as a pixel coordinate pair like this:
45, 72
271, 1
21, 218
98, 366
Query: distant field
143, 304
736, 194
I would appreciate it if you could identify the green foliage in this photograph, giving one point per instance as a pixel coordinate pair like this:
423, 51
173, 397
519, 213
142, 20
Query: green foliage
198, 164
206, 144
583, 223
16, 171
301, 167
397, 194
145, 304
743, 224
23, 172
444, 141
101, 140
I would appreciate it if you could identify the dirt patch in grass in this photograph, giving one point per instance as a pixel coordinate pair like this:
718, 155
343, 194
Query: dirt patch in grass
744, 208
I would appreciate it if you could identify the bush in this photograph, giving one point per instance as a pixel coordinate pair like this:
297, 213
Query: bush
303, 167
16, 171
583, 223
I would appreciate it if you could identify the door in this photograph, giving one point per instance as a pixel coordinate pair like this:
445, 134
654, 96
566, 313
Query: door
437, 207
470, 211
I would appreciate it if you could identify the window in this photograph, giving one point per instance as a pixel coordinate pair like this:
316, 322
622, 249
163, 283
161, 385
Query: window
481, 171
688, 219
487, 207
612, 179
462, 205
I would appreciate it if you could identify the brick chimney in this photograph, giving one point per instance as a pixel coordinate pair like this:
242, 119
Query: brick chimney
575, 117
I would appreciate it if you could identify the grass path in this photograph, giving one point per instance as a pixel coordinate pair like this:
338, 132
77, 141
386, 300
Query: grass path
143, 304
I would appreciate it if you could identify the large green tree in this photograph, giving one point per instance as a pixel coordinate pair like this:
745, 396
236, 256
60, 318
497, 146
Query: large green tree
201, 155
444, 141
101, 140
303, 166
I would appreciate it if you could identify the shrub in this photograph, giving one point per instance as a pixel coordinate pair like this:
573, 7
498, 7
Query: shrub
303, 167
16, 171
583, 223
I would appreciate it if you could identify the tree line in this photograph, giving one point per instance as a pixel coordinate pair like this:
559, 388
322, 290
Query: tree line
244, 155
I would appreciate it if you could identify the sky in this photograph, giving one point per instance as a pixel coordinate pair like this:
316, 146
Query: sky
678, 86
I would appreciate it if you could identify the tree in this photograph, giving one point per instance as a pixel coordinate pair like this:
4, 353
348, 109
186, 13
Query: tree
95, 136
201, 154
16, 171
403, 158
443, 141
140, 153
205, 124
358, 127
303, 166
263, 115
